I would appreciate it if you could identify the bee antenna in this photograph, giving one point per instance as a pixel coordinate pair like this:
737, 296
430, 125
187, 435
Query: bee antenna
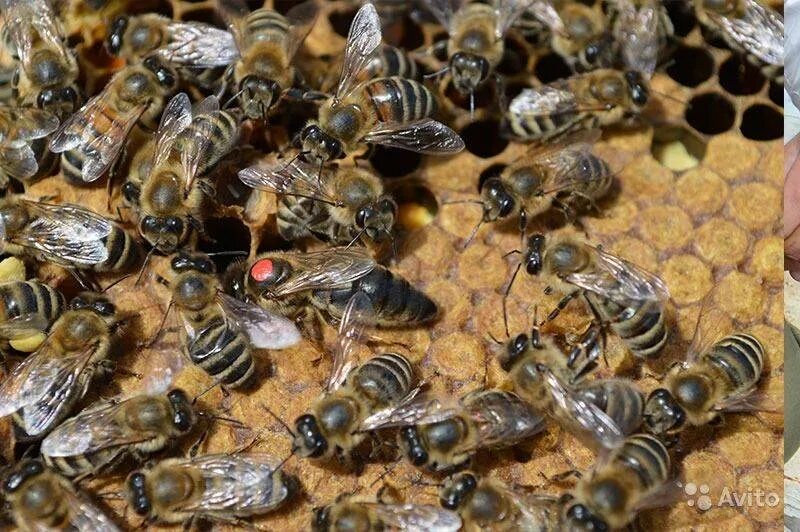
436, 74
505, 297
233, 253
493, 338
355, 239
145, 262
161, 326
282, 422
201, 394
386, 471
670, 97
472, 235
456, 202
224, 419
232, 98
103, 291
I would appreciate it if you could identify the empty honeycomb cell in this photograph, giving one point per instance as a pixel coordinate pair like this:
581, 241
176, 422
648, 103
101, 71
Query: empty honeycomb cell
731, 156
689, 278
710, 113
701, 191
551, 67
713, 38
767, 259
482, 98
394, 162
458, 356
756, 205
739, 77
667, 227
765, 490
417, 206
636, 251
646, 178
483, 138
682, 16
740, 296
676, 148
515, 58
762, 122
340, 21
690, 66
745, 448
481, 266
776, 93
721, 242
514, 88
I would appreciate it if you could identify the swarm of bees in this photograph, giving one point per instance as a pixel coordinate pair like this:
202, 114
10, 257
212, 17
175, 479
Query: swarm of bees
196, 110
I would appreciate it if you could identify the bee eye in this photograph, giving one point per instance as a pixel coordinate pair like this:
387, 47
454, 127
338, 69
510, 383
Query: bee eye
388, 205
104, 308
165, 77
173, 224
45, 98
362, 215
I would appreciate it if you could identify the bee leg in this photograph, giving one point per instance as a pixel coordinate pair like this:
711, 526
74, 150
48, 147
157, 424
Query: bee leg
561, 477
195, 448
563, 304
588, 344
84, 281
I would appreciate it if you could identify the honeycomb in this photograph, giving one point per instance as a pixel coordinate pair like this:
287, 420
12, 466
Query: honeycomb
698, 202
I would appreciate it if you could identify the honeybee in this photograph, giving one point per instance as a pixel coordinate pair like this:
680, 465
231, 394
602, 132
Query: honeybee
341, 206
27, 308
47, 73
349, 513
220, 331
218, 487
748, 27
389, 111
40, 499
585, 101
715, 378
168, 194
289, 282
102, 435
333, 424
68, 235
93, 138
489, 504
22, 134
43, 389
386, 61
186, 44
631, 478
630, 300
565, 175
581, 37
442, 434
642, 30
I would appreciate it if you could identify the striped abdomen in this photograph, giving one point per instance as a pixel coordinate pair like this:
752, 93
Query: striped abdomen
549, 126
382, 380
619, 399
394, 300
31, 297
645, 456
390, 61
124, 251
740, 357
266, 25
222, 130
222, 351
300, 218
81, 464
399, 100
641, 326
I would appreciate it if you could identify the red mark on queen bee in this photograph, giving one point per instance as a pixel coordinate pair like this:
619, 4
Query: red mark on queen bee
262, 270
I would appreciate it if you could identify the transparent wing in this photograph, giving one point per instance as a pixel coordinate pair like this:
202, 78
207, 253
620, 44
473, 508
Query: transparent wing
234, 13
176, 117
196, 150
759, 30
40, 385
379, 418
563, 158
19, 162
708, 329
23, 124
620, 281
22, 18
636, 30
357, 316
23, 325
542, 101
234, 483
535, 511
420, 411
326, 269
84, 515
363, 40
301, 20
264, 329
66, 232
507, 12
199, 45
297, 178
444, 11
545, 11
583, 419
424, 136
502, 418
416, 517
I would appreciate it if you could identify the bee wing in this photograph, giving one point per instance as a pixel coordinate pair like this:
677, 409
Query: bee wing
363, 40
196, 150
444, 10
301, 19
39, 385
541, 101
19, 162
176, 117
423, 136
297, 178
507, 13
23, 124
22, 18
545, 11
621, 281
562, 157
23, 325
199, 45
379, 418
264, 329
84, 515
759, 30
100, 151
358, 315
708, 328
536, 511
67, 232
582, 418
637, 32
416, 517
420, 411
234, 483
324, 269
234, 12
502, 418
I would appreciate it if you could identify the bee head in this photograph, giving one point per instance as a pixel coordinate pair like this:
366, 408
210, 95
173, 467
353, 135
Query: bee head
413, 446
267, 273
377, 219
497, 202
309, 440
258, 95
662, 413
165, 233
137, 493
199, 262
13, 217
515, 348
579, 517
164, 73
320, 521
23, 472
534, 254
468, 71
319, 145
183, 416
96, 303
116, 34
565, 257
59, 101
456, 489
637, 88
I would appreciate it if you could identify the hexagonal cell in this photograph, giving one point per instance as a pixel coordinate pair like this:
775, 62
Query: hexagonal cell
223, 236
690, 66
490, 171
483, 138
341, 20
394, 162
515, 58
682, 16
762, 122
713, 38
283, 6
710, 113
739, 77
677, 148
551, 67
776, 93
417, 206
481, 98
